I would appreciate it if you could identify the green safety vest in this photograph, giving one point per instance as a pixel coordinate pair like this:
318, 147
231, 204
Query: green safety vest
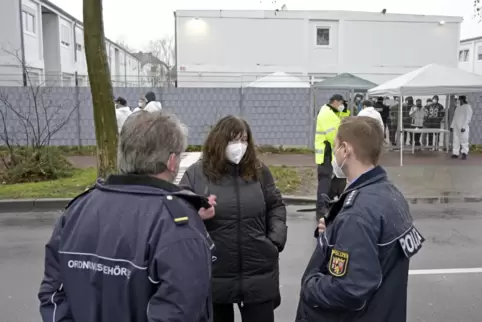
327, 124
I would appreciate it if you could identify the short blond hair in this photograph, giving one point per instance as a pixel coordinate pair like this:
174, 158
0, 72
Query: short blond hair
365, 135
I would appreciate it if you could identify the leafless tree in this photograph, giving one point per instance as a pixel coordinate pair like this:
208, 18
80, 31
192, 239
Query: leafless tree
164, 50
477, 10
39, 120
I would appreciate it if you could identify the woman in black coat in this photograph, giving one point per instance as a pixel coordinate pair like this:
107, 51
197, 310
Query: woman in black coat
249, 229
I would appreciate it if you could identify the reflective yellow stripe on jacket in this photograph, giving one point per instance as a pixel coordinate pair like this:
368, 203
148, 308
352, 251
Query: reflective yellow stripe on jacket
327, 124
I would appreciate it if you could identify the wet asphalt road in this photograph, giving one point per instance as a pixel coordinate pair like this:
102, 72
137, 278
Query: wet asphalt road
453, 241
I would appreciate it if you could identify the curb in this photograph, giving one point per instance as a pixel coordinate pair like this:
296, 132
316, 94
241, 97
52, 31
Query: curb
26, 205
300, 200
53, 204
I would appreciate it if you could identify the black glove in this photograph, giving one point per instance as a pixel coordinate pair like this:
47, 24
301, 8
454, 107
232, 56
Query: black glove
451, 129
462, 130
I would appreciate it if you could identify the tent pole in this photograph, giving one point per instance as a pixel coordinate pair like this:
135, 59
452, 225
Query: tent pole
400, 126
352, 100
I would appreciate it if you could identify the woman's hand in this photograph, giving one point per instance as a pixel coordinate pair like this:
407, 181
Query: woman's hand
321, 225
208, 213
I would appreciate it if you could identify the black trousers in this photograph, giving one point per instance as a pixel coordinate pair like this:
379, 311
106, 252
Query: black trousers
328, 187
256, 312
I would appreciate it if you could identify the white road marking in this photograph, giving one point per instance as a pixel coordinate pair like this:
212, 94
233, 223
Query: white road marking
444, 271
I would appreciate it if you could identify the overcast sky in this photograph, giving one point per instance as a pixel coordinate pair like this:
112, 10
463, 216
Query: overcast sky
136, 22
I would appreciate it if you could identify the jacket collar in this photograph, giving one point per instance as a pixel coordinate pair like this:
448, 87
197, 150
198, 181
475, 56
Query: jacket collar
374, 175
141, 180
335, 110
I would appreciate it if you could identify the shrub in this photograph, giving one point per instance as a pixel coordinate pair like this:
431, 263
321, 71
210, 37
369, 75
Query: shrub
34, 165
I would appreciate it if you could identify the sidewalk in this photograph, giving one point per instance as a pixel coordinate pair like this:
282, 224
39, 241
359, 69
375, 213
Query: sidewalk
423, 175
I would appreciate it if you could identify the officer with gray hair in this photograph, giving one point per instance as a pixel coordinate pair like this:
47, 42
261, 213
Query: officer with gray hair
133, 247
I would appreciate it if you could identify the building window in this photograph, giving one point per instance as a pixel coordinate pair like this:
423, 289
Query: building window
323, 36
464, 55
81, 81
78, 47
65, 35
67, 80
479, 53
28, 21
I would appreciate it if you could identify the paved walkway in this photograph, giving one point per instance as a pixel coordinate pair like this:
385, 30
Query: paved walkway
423, 175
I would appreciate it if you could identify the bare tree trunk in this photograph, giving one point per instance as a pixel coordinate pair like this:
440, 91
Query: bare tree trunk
101, 88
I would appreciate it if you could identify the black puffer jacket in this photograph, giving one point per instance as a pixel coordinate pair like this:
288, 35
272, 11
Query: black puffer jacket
249, 230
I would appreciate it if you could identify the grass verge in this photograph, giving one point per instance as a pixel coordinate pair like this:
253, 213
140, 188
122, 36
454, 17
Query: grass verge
62, 188
288, 180
263, 149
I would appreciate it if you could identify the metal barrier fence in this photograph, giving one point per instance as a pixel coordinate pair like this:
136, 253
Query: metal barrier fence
278, 116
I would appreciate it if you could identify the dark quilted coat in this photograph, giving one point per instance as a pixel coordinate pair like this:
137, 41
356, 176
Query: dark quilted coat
249, 230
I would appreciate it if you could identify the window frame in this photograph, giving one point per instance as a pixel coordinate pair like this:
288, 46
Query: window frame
479, 52
316, 36
27, 15
67, 77
62, 41
464, 58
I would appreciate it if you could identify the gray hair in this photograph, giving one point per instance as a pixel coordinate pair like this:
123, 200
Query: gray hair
147, 140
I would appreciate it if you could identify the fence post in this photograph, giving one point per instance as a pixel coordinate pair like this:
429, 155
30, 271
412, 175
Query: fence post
312, 116
77, 104
241, 102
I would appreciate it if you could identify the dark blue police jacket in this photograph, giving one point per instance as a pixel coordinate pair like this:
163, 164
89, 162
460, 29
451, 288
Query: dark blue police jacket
131, 249
359, 269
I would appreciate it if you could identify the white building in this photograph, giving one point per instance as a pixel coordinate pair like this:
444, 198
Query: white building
230, 48
51, 46
470, 55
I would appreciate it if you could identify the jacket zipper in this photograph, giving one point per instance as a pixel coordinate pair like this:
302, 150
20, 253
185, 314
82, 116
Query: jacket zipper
240, 250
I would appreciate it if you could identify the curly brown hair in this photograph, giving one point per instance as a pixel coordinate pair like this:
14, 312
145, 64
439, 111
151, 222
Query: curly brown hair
214, 161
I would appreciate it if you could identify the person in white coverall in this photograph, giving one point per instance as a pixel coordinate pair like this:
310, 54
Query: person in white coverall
140, 105
460, 128
122, 112
152, 104
370, 111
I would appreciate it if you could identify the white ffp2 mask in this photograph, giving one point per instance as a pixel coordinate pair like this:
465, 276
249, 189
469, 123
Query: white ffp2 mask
338, 169
235, 151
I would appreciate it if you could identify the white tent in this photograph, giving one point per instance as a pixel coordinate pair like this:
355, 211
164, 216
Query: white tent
279, 80
432, 79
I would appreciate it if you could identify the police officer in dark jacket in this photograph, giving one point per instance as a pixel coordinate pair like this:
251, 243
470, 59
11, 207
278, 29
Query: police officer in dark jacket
133, 248
359, 269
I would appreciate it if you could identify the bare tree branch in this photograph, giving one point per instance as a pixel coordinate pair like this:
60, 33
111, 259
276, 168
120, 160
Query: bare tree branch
40, 120
164, 50
477, 10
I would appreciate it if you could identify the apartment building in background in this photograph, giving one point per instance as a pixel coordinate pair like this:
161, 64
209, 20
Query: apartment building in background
233, 48
49, 42
470, 55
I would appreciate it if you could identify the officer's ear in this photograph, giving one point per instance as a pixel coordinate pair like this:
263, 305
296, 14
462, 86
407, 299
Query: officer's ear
348, 149
173, 162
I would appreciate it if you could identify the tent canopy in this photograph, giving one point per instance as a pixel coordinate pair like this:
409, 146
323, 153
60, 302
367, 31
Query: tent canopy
280, 80
347, 81
430, 80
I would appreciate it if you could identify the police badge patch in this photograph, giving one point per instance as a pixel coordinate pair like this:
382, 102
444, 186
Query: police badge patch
338, 263
411, 242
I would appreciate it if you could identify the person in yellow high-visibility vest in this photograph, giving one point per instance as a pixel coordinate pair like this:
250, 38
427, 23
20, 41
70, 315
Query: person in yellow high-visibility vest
327, 124
346, 112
